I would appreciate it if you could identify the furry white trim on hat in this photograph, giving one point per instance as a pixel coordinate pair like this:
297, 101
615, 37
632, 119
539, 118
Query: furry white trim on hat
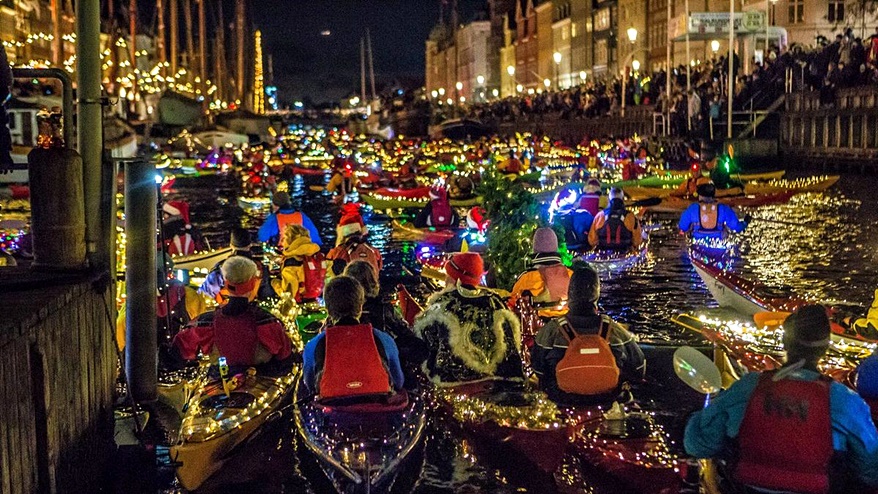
171, 210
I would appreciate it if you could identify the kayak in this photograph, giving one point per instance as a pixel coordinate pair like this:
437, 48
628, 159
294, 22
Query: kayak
307, 170
382, 202
672, 204
611, 261
254, 203
508, 420
797, 186
430, 236
361, 447
750, 298
202, 261
310, 320
215, 422
675, 178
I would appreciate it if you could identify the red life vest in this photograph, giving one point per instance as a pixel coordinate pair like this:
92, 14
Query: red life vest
315, 273
235, 337
590, 203
557, 281
785, 438
440, 212
613, 234
284, 219
358, 251
352, 365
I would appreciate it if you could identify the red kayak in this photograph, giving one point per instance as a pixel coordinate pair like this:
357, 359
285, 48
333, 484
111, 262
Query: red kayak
395, 193
303, 170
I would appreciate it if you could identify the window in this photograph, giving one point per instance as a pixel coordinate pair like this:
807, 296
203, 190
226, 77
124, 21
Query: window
574, 29
836, 11
797, 11
602, 20
600, 52
565, 33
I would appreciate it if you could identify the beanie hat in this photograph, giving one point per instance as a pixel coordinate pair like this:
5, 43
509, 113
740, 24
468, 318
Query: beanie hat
867, 378
241, 239
466, 267
545, 241
281, 199
616, 193
585, 287
808, 327
706, 190
350, 224
240, 275
593, 186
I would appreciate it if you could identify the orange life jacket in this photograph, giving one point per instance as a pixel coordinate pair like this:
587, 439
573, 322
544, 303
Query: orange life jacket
785, 438
557, 281
352, 365
284, 219
588, 366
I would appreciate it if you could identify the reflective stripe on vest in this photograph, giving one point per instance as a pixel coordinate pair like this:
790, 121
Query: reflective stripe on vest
785, 438
352, 365
614, 234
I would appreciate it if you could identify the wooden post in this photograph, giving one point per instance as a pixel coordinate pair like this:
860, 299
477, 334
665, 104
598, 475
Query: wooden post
57, 209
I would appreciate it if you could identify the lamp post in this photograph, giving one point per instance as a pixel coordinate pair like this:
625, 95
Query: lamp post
557, 57
714, 47
458, 86
632, 36
480, 80
547, 83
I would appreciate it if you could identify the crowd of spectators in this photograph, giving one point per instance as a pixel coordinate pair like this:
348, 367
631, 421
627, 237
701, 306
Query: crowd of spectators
847, 61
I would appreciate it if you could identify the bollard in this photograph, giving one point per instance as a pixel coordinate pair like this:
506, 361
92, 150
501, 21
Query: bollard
141, 359
57, 209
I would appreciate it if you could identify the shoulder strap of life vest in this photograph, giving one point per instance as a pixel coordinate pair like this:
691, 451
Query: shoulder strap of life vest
339, 378
566, 329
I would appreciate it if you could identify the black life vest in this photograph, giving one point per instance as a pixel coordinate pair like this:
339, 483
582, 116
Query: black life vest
614, 235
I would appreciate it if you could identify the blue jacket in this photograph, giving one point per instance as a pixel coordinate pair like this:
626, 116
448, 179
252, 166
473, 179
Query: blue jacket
269, 231
310, 360
726, 218
853, 432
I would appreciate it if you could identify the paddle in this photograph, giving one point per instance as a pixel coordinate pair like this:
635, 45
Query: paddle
770, 319
697, 371
317, 188
645, 203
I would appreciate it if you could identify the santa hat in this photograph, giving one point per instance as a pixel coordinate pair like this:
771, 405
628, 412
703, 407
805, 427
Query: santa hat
438, 192
177, 208
351, 222
466, 267
476, 220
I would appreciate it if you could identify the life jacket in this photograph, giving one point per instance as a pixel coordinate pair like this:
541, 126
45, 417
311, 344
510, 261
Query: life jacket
171, 303
614, 235
284, 219
235, 337
557, 280
785, 440
441, 213
340, 378
590, 203
181, 245
358, 251
314, 269
708, 220
588, 366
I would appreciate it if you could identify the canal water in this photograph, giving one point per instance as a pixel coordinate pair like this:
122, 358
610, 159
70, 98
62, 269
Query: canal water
820, 245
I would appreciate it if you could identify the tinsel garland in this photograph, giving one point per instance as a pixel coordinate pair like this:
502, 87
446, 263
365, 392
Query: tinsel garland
541, 413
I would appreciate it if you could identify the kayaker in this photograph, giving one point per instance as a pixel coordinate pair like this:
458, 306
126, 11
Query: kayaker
350, 359
382, 313
867, 383
510, 165
351, 243
460, 187
181, 238
708, 219
282, 214
470, 334
688, 189
241, 331
591, 198
615, 228
720, 175
584, 318
794, 430
548, 279
438, 212
302, 270
868, 326
176, 304
474, 234
213, 285
343, 180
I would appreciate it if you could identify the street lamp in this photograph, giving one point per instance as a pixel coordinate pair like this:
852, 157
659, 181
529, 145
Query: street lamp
582, 75
441, 91
458, 85
635, 65
510, 70
632, 36
495, 92
434, 94
714, 46
547, 83
480, 80
557, 57
519, 88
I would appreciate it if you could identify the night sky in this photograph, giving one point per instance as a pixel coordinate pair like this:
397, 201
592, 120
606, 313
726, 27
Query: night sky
324, 68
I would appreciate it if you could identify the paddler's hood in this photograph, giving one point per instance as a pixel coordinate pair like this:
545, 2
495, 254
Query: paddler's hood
302, 246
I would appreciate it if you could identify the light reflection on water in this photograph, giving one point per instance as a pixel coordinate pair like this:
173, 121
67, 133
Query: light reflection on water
829, 252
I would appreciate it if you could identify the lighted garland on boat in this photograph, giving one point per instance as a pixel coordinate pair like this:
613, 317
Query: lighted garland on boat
541, 413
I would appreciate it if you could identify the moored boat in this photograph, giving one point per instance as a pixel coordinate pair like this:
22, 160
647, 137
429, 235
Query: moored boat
429, 236
361, 447
202, 261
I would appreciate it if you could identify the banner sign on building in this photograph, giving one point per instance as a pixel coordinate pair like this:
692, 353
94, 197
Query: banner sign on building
718, 22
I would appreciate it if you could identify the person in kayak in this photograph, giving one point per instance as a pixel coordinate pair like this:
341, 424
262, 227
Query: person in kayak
241, 331
181, 238
708, 219
688, 189
793, 429
474, 235
352, 245
548, 279
283, 214
382, 313
470, 334
591, 197
867, 326
350, 359
720, 174
615, 228
302, 270
584, 318
438, 212
343, 180
213, 286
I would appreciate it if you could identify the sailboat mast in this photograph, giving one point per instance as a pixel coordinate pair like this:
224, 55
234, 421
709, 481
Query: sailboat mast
371, 67
239, 46
363, 70
190, 41
220, 58
132, 42
160, 35
175, 33
202, 47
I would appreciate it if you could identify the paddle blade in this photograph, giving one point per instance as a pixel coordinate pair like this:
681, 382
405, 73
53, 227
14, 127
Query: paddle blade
696, 370
317, 188
770, 319
731, 151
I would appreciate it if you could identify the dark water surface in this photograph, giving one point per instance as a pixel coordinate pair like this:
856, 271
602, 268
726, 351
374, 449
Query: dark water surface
825, 249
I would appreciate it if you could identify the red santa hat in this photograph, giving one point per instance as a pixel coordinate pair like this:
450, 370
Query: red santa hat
351, 221
177, 208
438, 192
466, 267
476, 219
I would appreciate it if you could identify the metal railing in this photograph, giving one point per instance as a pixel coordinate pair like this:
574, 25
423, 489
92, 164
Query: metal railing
66, 94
